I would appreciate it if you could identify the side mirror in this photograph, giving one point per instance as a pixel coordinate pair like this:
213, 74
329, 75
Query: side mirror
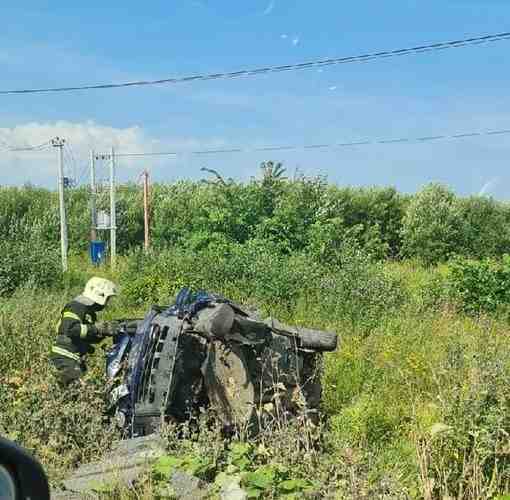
21, 475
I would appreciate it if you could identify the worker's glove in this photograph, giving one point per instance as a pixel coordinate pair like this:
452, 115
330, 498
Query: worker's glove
107, 328
130, 326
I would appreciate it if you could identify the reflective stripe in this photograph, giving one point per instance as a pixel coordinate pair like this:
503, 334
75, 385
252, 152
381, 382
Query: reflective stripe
71, 315
58, 326
83, 331
64, 352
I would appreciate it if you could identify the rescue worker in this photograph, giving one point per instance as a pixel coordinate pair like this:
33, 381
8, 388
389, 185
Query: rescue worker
78, 329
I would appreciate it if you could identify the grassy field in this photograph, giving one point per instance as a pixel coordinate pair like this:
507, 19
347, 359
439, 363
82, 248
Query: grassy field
416, 398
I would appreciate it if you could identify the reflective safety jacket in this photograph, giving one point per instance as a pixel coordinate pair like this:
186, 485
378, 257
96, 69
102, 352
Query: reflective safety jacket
76, 331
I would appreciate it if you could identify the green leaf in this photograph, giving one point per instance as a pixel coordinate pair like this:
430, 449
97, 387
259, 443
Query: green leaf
242, 463
253, 493
292, 485
166, 464
262, 478
198, 466
238, 450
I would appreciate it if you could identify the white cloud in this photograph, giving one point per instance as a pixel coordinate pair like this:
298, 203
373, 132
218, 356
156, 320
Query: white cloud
295, 41
333, 87
88, 134
284, 36
39, 167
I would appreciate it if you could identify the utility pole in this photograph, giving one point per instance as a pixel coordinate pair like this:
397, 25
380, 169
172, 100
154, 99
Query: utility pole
146, 208
93, 196
58, 142
113, 218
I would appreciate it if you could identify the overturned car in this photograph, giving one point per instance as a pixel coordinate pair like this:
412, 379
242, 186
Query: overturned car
205, 351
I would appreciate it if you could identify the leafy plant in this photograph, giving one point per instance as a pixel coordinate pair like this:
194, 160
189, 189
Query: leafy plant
480, 285
432, 225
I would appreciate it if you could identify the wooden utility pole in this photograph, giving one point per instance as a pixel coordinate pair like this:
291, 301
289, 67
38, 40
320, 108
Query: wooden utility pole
146, 209
58, 142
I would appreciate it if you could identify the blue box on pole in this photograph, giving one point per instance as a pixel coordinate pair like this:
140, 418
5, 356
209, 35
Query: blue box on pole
97, 251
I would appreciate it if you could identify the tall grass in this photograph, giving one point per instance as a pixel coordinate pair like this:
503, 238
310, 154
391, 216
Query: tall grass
416, 398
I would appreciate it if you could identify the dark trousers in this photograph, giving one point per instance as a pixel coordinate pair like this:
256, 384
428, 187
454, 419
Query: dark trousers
68, 370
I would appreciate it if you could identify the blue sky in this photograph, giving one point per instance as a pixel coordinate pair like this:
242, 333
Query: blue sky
452, 91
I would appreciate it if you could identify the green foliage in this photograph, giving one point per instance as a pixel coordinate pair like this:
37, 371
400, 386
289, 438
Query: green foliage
27, 258
434, 382
62, 428
239, 463
366, 421
402, 372
29, 228
438, 225
475, 411
432, 225
28, 204
295, 210
354, 287
485, 227
240, 455
301, 214
199, 466
480, 285
416, 398
372, 216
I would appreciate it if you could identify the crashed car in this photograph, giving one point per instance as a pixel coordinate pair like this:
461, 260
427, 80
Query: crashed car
205, 351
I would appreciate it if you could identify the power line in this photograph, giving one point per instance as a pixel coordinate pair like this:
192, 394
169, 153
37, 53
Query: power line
14, 149
84, 171
68, 151
78, 174
278, 69
373, 142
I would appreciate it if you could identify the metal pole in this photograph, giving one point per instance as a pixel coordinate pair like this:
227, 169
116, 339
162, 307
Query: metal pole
113, 218
93, 196
57, 142
146, 208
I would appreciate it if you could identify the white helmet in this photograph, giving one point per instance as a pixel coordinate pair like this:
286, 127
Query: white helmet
99, 290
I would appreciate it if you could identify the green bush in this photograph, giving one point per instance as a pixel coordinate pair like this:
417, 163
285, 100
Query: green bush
294, 212
28, 259
438, 225
297, 215
373, 216
432, 225
485, 227
27, 203
352, 288
480, 285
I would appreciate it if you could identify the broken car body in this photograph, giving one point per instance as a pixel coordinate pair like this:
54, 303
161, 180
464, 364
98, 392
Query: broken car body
206, 351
